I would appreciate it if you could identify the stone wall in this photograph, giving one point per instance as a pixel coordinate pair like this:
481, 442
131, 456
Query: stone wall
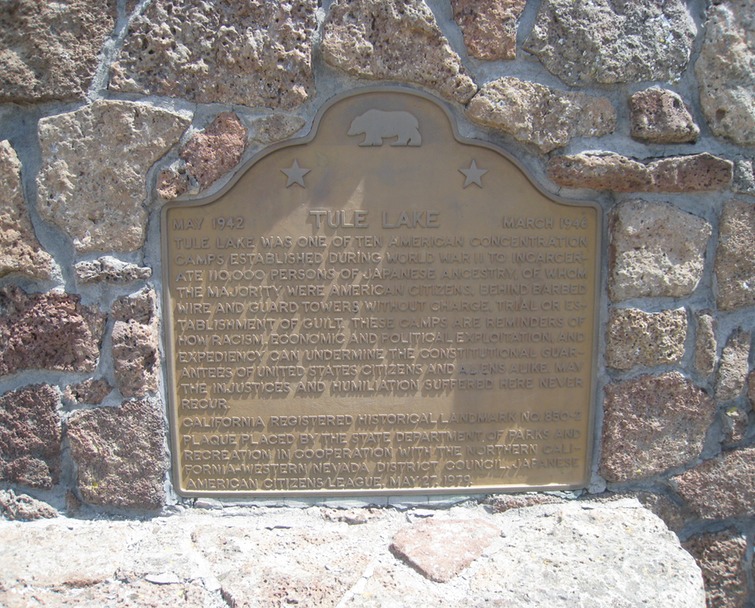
108, 109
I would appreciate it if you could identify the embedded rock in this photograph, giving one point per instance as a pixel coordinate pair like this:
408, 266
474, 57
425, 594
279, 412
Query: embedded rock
489, 26
705, 344
234, 52
99, 153
637, 338
735, 264
744, 176
135, 343
119, 455
612, 41
539, 115
50, 50
652, 424
90, 391
22, 507
721, 487
394, 40
47, 331
275, 127
660, 116
695, 173
721, 557
656, 250
108, 269
20, 251
725, 70
674, 516
30, 436
732, 371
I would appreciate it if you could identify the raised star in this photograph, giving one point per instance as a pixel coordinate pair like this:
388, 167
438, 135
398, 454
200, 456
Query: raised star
473, 174
295, 174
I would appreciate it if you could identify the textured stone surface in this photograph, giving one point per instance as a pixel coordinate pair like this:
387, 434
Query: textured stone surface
135, 342
744, 176
23, 507
635, 337
47, 331
735, 264
102, 152
49, 50
725, 70
721, 557
656, 250
206, 157
721, 487
660, 116
652, 424
119, 455
733, 368
30, 436
611, 171
539, 115
394, 40
489, 26
20, 251
611, 41
92, 392
506, 502
108, 269
441, 549
235, 52
706, 345
673, 515
275, 127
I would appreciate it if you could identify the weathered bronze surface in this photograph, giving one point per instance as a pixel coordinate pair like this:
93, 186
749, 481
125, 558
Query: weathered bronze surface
382, 308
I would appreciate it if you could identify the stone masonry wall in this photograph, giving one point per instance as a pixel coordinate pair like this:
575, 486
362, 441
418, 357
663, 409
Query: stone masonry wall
109, 108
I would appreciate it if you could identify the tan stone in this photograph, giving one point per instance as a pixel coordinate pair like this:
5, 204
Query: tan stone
656, 250
539, 115
94, 165
721, 556
233, 52
20, 251
652, 424
50, 50
725, 73
110, 270
735, 264
660, 116
732, 371
637, 338
489, 26
276, 127
135, 343
705, 344
696, 173
394, 40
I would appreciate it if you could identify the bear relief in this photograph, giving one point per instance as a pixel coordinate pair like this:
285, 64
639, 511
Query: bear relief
377, 125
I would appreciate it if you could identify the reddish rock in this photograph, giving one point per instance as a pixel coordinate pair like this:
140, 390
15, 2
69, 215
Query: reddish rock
441, 549
90, 391
696, 173
722, 557
489, 26
661, 117
47, 331
139, 307
673, 515
721, 487
30, 436
21, 507
135, 343
652, 424
735, 264
635, 337
506, 502
119, 455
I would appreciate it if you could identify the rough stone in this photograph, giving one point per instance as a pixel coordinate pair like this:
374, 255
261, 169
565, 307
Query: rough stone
656, 250
735, 420
47, 331
732, 371
706, 345
673, 515
612, 41
135, 344
504, 502
722, 487
22, 507
735, 264
660, 116
276, 127
92, 392
744, 176
394, 40
489, 26
637, 338
751, 388
721, 557
30, 436
611, 171
652, 424
102, 152
235, 52
441, 549
50, 50
119, 455
725, 73
139, 307
108, 269
20, 251
539, 115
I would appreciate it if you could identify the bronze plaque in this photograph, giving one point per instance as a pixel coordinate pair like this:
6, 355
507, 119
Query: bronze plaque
380, 308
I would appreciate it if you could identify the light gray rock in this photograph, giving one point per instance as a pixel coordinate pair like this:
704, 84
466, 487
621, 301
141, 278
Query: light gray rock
660, 116
611, 41
706, 345
108, 269
725, 70
539, 115
638, 338
735, 264
94, 164
732, 371
22, 507
275, 127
